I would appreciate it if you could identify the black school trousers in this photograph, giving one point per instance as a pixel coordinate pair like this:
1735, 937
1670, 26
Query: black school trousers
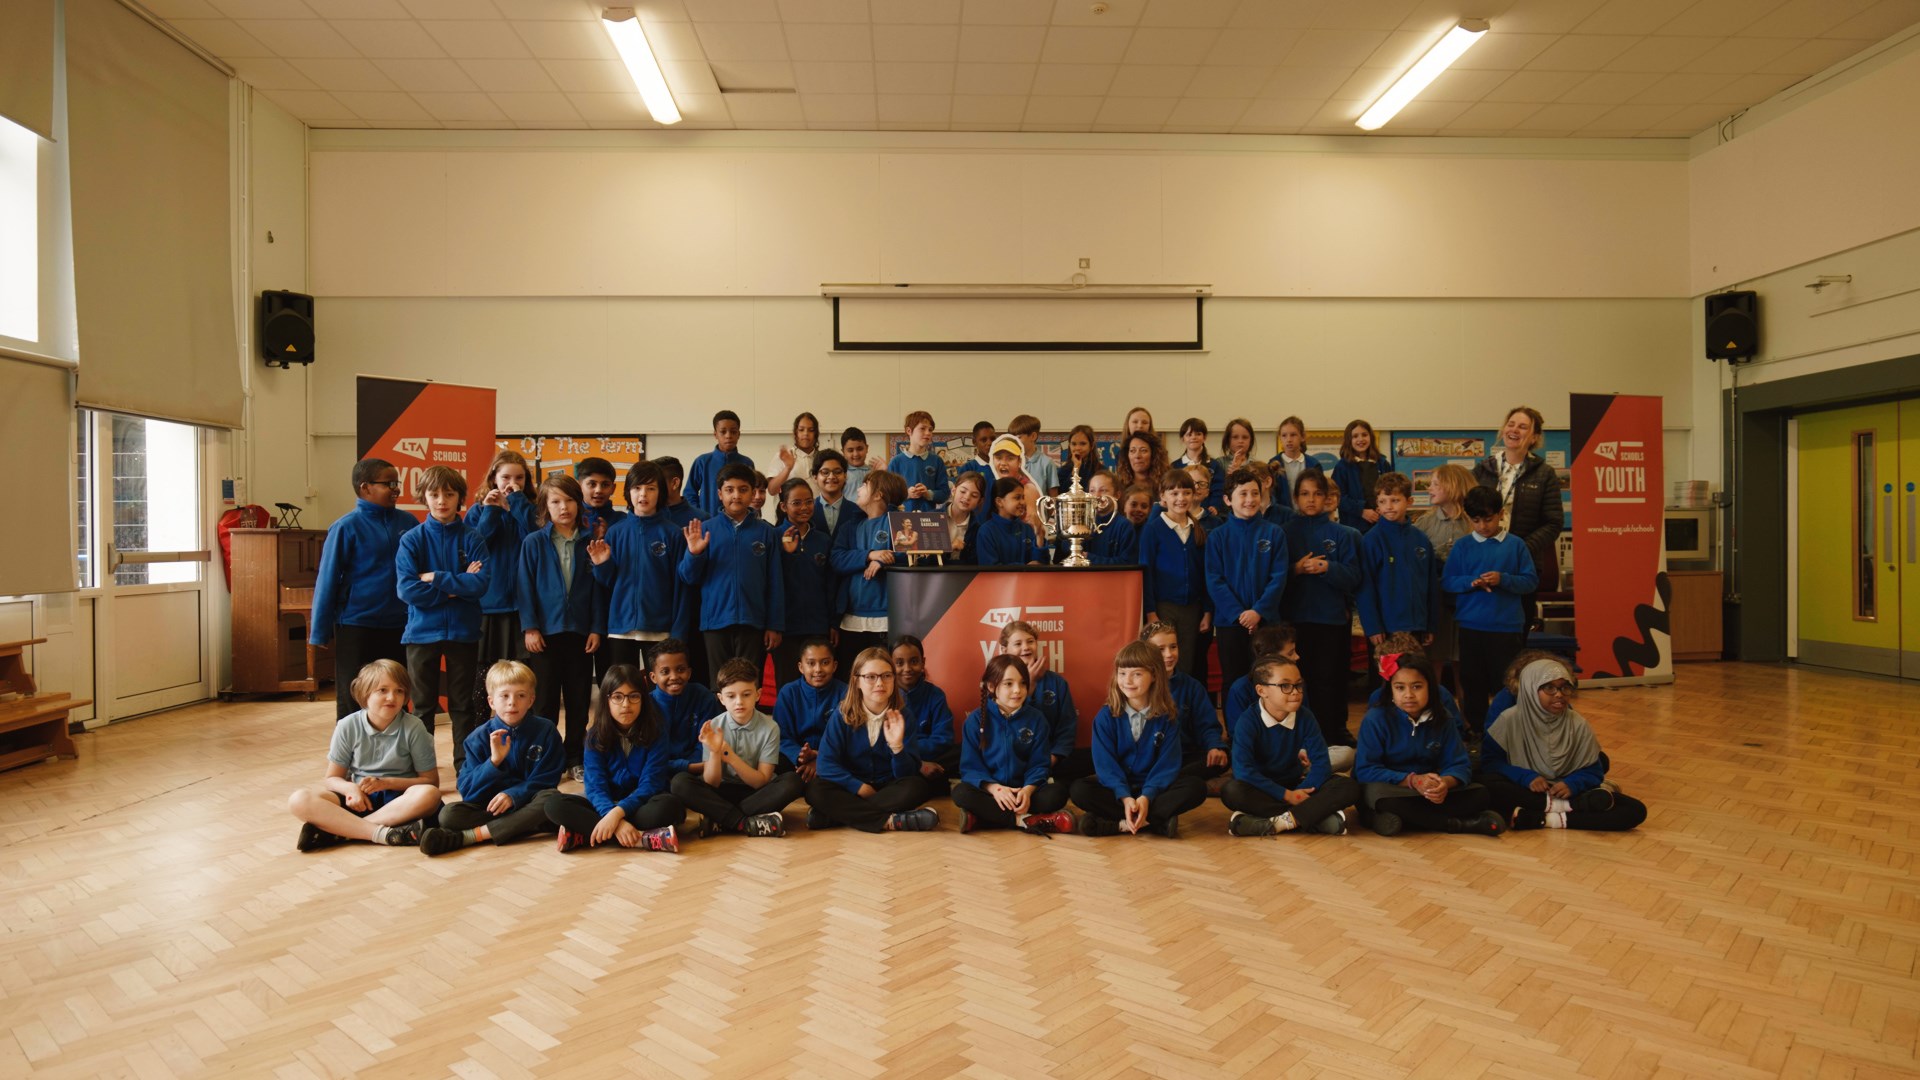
576, 814
1335, 793
732, 802
354, 647
871, 813
564, 673
1184, 794
520, 822
1484, 656
1047, 799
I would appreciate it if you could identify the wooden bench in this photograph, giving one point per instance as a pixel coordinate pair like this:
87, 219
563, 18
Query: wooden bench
33, 726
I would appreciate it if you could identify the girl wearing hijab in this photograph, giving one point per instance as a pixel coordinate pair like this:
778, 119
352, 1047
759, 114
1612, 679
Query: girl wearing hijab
1542, 766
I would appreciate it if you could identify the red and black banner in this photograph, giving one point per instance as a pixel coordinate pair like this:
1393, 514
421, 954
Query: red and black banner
417, 425
1620, 592
1083, 616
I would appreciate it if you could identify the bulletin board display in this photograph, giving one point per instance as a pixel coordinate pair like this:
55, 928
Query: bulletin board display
551, 455
956, 448
1418, 453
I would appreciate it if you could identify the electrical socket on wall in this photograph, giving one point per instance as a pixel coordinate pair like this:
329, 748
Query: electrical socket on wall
1086, 263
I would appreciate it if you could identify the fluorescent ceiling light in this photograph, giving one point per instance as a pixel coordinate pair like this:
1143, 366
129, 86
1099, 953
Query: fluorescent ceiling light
1438, 59
624, 28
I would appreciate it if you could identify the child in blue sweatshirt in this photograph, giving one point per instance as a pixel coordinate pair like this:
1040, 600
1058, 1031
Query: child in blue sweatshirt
1137, 784
805, 706
1246, 574
1172, 548
1400, 574
502, 517
923, 471
861, 555
1319, 602
625, 800
355, 606
637, 566
868, 775
929, 713
1487, 572
597, 484
743, 600
1203, 742
683, 703
1005, 539
563, 612
514, 762
703, 478
1276, 640
833, 512
738, 785
1049, 693
1413, 764
806, 572
441, 570
1004, 763
1360, 467
1282, 777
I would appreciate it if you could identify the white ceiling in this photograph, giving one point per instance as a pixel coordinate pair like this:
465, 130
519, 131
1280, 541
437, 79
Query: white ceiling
1652, 68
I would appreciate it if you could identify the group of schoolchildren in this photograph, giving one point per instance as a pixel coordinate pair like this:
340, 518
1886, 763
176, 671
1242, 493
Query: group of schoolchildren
526, 599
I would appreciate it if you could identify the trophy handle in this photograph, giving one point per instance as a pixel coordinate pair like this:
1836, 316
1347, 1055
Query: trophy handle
1113, 507
1045, 504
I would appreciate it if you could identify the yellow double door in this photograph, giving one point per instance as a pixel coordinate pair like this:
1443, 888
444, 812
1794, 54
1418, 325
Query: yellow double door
1858, 578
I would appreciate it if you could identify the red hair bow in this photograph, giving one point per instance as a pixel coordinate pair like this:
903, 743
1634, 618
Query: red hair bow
1389, 664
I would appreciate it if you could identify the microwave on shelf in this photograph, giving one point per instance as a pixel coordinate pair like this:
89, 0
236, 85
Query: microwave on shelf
1689, 534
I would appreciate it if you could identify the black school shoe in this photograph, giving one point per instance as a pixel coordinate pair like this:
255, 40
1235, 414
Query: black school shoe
313, 838
1099, 826
1592, 801
407, 835
440, 841
1387, 823
1488, 823
1169, 828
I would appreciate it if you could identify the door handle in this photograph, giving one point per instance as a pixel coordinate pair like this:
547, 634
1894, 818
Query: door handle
1886, 525
1913, 544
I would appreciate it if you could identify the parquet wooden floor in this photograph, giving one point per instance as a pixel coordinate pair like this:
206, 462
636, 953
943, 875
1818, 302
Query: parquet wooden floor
1764, 922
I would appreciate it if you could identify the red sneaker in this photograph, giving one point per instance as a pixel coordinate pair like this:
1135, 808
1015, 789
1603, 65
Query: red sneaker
662, 840
569, 841
1057, 822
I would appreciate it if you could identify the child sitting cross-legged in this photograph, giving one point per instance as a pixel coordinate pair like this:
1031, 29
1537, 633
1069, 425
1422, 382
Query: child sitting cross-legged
1282, 778
381, 778
513, 768
739, 788
626, 800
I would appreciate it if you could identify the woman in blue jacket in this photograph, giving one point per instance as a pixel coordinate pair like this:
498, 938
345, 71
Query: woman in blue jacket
1005, 758
625, 799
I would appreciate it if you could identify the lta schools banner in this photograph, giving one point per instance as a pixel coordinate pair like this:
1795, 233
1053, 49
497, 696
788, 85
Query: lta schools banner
417, 425
1083, 617
1620, 586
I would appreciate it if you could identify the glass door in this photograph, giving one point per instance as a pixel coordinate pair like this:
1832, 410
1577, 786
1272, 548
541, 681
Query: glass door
1848, 578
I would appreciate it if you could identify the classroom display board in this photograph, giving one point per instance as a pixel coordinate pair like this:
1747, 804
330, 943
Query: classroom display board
549, 455
1084, 617
417, 425
1418, 453
1618, 492
956, 449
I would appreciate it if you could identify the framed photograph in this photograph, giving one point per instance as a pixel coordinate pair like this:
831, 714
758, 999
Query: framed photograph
919, 533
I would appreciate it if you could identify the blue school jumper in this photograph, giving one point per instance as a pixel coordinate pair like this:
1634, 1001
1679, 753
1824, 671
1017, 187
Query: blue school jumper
1501, 702
1246, 569
850, 515
1283, 483
702, 488
926, 469
931, 719
681, 716
593, 516
501, 528
448, 607
807, 574
1004, 541
1116, 545
1355, 499
1279, 515
1400, 580
1241, 696
848, 758
547, 602
803, 715
641, 577
1269, 757
1497, 611
1390, 747
1382, 694
626, 779
1217, 486
354, 584
535, 758
1054, 699
738, 575
1493, 757
984, 468
1199, 723
1323, 599
1135, 769
1176, 570
684, 511
858, 596
1000, 749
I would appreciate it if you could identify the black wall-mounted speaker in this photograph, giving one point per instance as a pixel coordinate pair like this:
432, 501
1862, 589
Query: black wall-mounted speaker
286, 328
1733, 326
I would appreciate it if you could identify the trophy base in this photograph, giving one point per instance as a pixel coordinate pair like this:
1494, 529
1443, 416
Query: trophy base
1076, 555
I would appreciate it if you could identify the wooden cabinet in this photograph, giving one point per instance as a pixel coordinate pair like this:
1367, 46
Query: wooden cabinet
273, 575
33, 725
1693, 614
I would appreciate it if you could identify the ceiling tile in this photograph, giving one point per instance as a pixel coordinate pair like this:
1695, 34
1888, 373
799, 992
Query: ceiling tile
1628, 17
751, 109
1252, 48
1682, 88
689, 77
1546, 16
1565, 116
467, 107
1703, 115
450, 9
1085, 45
829, 42
1061, 110
833, 78
613, 110
1001, 44
1305, 82
224, 38
337, 75
1139, 80
264, 9
1333, 48
1494, 115
1879, 21
552, 109
712, 11
993, 79
741, 41
358, 9
753, 75
1423, 114
1279, 112
373, 106
1755, 88
508, 76
1337, 116
1578, 52
310, 105
590, 76
1505, 52
426, 76
672, 41
388, 37
1366, 84
1662, 54
1610, 87
1806, 18
1229, 82
1628, 120
1812, 56
1739, 55
1006, 13
1462, 85
916, 108
567, 40
1402, 49
485, 40
915, 11
1187, 13
1208, 112
833, 108
1155, 45
1718, 18
823, 11
263, 73
913, 78
1365, 14
583, 12
183, 9
1137, 114
988, 108
1536, 86
1277, 14
704, 110
1069, 80
917, 44
1123, 13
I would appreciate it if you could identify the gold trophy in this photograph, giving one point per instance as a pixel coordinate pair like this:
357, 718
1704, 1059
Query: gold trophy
1075, 514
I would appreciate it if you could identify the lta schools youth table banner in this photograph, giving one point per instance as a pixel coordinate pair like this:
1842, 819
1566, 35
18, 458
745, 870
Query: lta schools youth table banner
1083, 617
1620, 584
417, 425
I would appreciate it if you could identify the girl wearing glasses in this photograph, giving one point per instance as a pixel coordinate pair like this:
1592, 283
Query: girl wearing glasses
1282, 779
1542, 765
868, 774
625, 800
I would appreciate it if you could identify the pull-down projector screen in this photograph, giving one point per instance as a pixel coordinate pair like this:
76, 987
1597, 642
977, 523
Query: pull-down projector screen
996, 322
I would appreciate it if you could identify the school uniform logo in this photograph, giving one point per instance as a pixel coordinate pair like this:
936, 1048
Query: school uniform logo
759, 548
1327, 547
1263, 545
819, 558
535, 751
1023, 739
929, 470
1049, 698
659, 549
